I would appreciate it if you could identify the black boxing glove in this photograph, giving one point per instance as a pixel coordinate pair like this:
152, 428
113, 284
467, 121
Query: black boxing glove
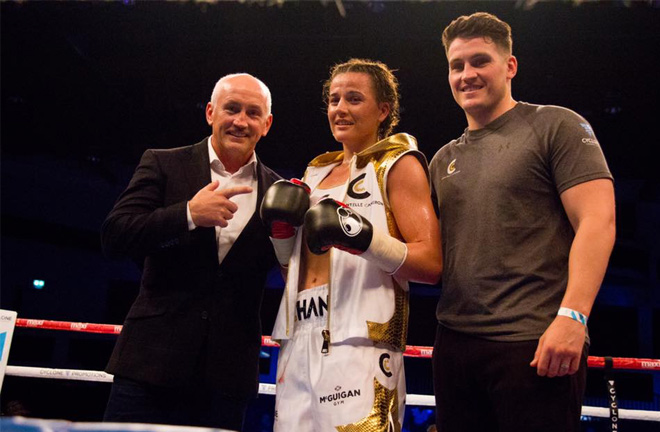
283, 210
331, 223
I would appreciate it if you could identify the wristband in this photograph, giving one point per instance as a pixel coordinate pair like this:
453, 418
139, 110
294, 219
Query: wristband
573, 314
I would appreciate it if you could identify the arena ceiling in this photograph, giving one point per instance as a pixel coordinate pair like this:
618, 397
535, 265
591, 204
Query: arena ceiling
106, 80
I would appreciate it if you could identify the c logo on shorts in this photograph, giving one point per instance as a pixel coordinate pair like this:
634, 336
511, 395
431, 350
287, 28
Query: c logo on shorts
384, 363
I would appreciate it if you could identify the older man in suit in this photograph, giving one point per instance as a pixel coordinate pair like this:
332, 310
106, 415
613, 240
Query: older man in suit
188, 351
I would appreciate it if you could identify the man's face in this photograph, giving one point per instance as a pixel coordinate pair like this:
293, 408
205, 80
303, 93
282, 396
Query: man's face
480, 74
238, 117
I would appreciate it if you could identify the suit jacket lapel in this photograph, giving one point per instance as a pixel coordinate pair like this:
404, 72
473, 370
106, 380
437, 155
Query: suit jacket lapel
264, 180
198, 170
197, 174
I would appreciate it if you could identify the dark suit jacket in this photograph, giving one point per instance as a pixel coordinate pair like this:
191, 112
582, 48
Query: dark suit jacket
194, 322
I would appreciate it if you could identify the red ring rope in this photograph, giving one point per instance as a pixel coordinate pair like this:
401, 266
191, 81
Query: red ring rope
411, 350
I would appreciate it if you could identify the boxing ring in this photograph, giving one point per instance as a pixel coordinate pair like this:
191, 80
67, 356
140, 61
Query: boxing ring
612, 411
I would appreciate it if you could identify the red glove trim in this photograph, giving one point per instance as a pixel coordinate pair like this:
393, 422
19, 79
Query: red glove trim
281, 230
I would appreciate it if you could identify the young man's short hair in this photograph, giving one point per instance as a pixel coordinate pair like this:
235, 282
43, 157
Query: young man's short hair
479, 24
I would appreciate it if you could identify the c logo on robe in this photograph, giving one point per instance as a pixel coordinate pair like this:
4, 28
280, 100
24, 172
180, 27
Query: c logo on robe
356, 188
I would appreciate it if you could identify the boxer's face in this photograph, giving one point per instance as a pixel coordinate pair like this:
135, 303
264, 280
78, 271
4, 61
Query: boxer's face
353, 111
239, 117
480, 76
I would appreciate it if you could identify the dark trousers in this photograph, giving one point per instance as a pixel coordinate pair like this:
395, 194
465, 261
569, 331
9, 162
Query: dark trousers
483, 385
135, 402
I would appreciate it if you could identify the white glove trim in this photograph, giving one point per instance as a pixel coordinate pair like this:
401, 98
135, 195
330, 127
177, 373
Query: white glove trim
386, 251
283, 249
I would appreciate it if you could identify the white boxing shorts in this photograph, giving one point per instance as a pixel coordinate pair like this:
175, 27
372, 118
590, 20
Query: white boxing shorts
359, 385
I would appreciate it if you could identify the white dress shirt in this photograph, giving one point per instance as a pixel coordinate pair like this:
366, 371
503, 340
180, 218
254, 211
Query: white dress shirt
247, 203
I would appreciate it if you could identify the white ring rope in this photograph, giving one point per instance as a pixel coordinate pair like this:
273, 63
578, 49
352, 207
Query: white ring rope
269, 389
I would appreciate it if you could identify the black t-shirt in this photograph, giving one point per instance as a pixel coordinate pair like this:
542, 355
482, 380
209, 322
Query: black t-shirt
505, 234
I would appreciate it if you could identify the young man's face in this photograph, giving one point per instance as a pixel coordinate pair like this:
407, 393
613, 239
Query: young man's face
480, 76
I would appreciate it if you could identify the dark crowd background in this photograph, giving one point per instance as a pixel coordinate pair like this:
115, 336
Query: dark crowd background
87, 86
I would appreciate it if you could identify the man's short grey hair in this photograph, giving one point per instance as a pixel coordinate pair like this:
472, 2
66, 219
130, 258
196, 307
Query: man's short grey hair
264, 87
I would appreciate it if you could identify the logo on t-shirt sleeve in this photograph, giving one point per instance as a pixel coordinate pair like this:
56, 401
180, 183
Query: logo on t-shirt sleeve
591, 140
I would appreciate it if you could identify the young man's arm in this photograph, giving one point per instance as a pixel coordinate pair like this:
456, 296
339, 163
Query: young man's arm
590, 209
